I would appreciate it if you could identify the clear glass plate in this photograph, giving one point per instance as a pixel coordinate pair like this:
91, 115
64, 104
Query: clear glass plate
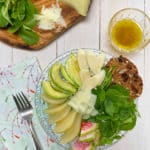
40, 106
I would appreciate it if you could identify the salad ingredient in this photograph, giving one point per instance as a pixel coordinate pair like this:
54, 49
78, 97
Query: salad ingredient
58, 116
57, 109
95, 62
84, 75
18, 17
48, 100
49, 17
126, 34
55, 75
77, 145
66, 76
82, 59
73, 131
88, 137
72, 68
126, 74
88, 127
80, 6
116, 110
93, 81
83, 102
57, 88
66, 123
49, 91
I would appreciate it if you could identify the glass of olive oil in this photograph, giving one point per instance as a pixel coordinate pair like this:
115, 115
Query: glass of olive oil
129, 30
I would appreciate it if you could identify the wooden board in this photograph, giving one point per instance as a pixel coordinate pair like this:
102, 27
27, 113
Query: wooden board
70, 15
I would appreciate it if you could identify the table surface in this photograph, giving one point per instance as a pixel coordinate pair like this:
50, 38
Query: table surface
92, 33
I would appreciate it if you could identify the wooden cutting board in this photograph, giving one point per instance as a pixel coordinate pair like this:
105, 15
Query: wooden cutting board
70, 15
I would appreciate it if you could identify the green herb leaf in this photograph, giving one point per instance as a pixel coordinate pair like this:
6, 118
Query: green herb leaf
29, 36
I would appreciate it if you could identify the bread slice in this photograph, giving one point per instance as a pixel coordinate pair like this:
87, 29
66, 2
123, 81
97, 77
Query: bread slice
126, 74
70, 15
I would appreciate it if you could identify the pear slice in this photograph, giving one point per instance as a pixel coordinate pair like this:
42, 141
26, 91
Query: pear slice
60, 115
66, 123
49, 100
73, 131
58, 109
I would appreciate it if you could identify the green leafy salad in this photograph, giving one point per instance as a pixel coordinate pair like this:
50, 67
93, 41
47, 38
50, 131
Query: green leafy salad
18, 17
116, 109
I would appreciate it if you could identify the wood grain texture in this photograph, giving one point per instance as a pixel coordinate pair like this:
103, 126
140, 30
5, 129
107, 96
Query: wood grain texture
92, 33
70, 15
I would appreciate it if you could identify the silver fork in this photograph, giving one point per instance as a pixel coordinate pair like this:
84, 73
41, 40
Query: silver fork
26, 111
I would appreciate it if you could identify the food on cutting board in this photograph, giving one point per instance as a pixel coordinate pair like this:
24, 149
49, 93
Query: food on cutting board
34, 24
96, 100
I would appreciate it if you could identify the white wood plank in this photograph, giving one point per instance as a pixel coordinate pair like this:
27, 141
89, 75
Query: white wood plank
44, 55
6, 55
84, 34
136, 139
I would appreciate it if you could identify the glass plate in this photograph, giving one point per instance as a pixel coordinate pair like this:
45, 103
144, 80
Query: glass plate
40, 106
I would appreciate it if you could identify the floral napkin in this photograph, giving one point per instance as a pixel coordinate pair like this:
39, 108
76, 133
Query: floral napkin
14, 133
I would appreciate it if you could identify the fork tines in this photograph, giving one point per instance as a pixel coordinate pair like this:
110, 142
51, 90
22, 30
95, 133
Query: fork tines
21, 101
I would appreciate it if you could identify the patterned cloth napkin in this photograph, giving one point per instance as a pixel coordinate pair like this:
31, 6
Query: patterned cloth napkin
14, 133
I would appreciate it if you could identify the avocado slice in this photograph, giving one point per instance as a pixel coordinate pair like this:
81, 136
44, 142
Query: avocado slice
55, 87
66, 76
73, 70
49, 91
58, 81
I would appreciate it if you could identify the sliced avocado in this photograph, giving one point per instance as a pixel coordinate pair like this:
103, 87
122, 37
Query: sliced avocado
49, 91
57, 80
73, 70
57, 88
66, 76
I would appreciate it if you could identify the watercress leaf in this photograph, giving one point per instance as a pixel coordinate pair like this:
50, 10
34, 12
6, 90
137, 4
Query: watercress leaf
120, 89
128, 124
30, 37
110, 107
15, 27
4, 11
3, 21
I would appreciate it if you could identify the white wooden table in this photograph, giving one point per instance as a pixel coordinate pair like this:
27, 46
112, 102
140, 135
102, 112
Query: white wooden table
92, 33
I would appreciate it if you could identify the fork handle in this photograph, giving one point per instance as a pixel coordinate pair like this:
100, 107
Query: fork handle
34, 136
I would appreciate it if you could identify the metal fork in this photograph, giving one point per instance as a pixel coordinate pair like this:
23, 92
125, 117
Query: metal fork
26, 111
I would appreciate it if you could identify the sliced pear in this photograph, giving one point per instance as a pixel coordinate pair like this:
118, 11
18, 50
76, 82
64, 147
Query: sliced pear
66, 76
49, 100
94, 81
58, 109
95, 61
56, 78
82, 60
85, 75
60, 115
66, 123
49, 91
73, 131
73, 70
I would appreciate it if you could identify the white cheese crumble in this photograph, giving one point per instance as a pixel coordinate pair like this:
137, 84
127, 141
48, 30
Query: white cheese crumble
49, 17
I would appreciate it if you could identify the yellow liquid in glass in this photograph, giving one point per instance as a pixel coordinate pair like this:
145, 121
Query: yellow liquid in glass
127, 35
